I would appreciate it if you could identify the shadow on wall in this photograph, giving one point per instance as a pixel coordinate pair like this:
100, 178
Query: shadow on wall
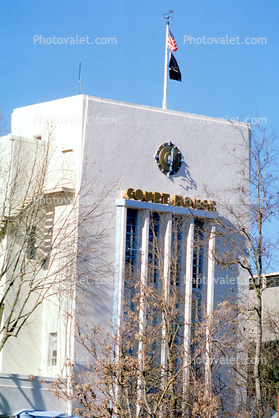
188, 183
4, 405
24, 392
36, 399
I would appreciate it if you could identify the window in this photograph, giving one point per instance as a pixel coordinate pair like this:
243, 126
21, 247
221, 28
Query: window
153, 248
53, 349
31, 249
153, 317
198, 254
130, 256
130, 259
197, 277
271, 280
175, 251
176, 320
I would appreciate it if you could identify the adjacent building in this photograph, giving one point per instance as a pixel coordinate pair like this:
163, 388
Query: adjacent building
270, 307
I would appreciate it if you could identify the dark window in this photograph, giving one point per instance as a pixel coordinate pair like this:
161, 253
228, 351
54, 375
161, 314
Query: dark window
266, 281
130, 256
176, 321
175, 251
130, 260
198, 254
53, 349
197, 277
31, 244
153, 248
272, 281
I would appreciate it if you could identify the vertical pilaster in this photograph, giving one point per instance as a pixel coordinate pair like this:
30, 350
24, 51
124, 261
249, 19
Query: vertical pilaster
121, 222
121, 266
210, 306
166, 292
142, 306
188, 307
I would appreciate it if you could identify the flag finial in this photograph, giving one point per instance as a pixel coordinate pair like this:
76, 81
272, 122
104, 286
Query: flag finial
167, 15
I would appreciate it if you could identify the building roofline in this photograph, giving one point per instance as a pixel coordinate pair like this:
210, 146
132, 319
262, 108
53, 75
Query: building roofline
168, 111
210, 119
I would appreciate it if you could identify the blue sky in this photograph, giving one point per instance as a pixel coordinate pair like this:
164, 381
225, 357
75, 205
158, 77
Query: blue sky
237, 80
230, 81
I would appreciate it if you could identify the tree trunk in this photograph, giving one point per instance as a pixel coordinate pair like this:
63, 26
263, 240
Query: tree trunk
257, 360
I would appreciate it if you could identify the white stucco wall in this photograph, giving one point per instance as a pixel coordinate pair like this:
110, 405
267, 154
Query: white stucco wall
123, 144
113, 147
270, 314
120, 149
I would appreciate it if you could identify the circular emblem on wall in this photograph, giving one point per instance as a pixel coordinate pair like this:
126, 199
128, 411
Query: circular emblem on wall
168, 158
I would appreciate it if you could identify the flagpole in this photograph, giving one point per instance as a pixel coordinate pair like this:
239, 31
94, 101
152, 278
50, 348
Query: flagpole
166, 68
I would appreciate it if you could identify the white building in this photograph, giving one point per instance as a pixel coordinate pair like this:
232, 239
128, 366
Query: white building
270, 307
140, 162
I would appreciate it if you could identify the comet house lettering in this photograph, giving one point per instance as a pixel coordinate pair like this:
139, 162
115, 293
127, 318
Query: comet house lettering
164, 199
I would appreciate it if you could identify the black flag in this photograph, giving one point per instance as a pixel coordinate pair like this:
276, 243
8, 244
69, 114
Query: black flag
174, 71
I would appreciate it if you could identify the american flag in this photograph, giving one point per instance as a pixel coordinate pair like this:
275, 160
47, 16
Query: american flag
171, 42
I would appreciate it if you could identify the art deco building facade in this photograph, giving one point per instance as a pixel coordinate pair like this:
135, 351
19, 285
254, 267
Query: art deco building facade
156, 180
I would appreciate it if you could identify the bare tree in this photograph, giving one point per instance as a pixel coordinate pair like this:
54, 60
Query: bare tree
41, 223
141, 368
247, 242
119, 380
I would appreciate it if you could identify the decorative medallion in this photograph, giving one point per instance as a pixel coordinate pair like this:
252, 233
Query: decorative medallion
168, 158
